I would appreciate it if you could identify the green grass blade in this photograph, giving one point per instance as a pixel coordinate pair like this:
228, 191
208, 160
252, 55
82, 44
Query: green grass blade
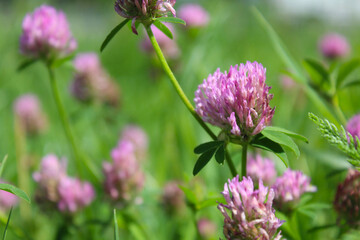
7, 225
291, 64
3, 165
116, 228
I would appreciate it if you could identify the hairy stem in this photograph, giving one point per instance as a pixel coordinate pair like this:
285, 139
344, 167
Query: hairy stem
182, 95
244, 159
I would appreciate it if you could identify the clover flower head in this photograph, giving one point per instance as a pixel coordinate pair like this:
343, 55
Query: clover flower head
144, 10
91, 81
236, 101
29, 113
46, 34
74, 194
206, 228
52, 170
139, 138
123, 178
353, 126
290, 187
334, 45
259, 168
347, 198
251, 213
194, 15
7, 200
173, 197
167, 45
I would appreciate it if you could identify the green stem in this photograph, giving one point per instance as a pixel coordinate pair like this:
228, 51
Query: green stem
182, 95
230, 164
243, 160
339, 113
64, 118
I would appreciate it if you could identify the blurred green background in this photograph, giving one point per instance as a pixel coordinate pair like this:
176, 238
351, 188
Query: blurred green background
233, 36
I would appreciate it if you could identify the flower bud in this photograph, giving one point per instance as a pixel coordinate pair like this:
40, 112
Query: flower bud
347, 199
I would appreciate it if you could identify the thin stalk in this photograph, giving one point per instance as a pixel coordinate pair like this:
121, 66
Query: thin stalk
338, 111
230, 163
64, 119
244, 159
181, 93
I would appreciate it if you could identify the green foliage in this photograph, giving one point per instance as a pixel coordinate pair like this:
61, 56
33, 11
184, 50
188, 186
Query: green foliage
162, 27
116, 228
7, 225
26, 63
342, 139
207, 151
113, 32
171, 20
14, 190
3, 165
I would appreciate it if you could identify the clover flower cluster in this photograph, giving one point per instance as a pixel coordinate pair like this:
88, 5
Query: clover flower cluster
194, 15
347, 198
144, 10
236, 101
290, 187
57, 189
251, 213
91, 82
167, 45
29, 114
259, 168
7, 200
46, 34
172, 197
334, 45
124, 178
206, 228
137, 136
353, 126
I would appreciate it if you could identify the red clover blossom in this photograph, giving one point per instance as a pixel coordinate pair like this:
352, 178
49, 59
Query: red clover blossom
236, 101
46, 34
251, 213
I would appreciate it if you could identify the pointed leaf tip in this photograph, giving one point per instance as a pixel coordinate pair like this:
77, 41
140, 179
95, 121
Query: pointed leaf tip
162, 27
112, 34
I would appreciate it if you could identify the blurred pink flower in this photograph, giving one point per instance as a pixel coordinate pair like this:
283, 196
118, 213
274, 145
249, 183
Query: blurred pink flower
259, 168
236, 101
353, 126
52, 170
251, 213
167, 45
29, 113
287, 82
206, 228
123, 178
173, 197
194, 15
74, 194
91, 82
46, 34
334, 45
138, 138
290, 187
7, 200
